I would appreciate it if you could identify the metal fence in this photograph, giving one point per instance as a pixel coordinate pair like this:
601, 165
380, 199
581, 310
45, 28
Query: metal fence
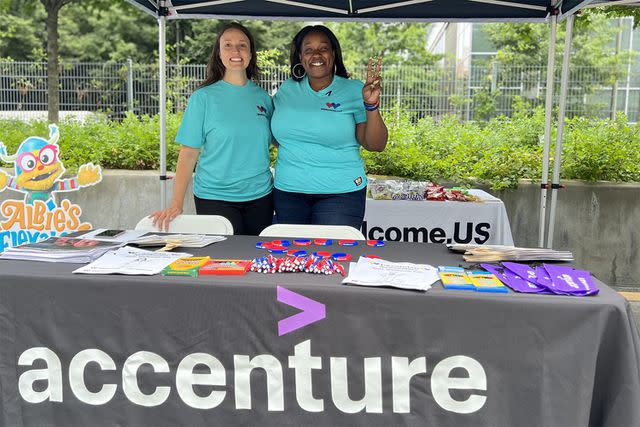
488, 90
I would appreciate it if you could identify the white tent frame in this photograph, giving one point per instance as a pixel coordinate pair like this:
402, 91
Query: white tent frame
163, 7
548, 114
564, 83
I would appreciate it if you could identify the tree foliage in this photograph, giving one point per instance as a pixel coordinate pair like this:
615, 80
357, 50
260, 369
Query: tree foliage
523, 48
111, 31
527, 44
21, 29
99, 31
200, 35
618, 12
398, 43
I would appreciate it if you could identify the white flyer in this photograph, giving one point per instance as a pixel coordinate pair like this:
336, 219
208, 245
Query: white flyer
179, 240
125, 237
131, 261
403, 275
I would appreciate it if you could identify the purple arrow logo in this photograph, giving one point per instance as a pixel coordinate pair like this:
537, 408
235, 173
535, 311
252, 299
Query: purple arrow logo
312, 311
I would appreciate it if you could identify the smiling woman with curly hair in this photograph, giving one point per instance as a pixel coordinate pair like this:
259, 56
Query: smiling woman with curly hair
321, 120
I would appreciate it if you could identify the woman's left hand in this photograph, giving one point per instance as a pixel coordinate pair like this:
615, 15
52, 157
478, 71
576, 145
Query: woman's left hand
372, 86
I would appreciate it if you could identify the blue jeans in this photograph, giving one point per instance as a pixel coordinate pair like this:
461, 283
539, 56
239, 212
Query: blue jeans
325, 209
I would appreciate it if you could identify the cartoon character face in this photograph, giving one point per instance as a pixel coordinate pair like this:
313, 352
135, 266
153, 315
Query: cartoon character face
38, 169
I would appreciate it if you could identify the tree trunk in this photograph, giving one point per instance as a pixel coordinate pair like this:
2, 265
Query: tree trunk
53, 75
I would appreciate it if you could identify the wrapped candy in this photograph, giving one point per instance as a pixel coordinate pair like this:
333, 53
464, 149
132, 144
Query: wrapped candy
435, 192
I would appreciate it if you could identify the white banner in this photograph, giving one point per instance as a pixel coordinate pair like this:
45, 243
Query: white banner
439, 222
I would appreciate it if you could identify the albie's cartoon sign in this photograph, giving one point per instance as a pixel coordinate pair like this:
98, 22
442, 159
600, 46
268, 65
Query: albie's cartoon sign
38, 175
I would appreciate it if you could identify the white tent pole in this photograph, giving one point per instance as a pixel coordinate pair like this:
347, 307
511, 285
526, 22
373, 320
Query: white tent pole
162, 77
564, 83
548, 113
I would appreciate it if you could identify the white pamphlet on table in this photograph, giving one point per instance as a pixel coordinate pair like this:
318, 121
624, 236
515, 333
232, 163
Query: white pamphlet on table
132, 261
179, 240
125, 237
403, 275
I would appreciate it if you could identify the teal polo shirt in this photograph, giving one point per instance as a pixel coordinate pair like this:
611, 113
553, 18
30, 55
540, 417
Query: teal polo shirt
230, 125
318, 152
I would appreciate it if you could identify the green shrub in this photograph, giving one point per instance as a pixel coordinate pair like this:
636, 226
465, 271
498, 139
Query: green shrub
498, 152
130, 144
504, 150
602, 150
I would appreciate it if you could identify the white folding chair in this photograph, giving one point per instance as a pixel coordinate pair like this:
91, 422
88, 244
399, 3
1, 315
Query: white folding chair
200, 224
312, 230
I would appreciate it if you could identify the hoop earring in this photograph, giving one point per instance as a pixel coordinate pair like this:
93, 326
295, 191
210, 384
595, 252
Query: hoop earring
293, 71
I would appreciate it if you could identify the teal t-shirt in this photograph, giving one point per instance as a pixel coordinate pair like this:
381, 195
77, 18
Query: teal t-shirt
318, 152
230, 125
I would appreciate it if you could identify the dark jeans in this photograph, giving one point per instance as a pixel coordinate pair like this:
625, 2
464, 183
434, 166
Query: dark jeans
326, 209
246, 217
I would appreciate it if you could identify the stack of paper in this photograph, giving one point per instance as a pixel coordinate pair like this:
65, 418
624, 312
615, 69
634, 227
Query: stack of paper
181, 240
126, 236
60, 249
403, 275
488, 253
132, 261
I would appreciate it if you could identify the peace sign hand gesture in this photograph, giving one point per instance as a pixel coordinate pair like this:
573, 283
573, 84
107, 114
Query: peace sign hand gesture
372, 89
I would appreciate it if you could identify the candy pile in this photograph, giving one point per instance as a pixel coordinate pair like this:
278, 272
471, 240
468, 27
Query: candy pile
317, 264
390, 189
439, 193
435, 192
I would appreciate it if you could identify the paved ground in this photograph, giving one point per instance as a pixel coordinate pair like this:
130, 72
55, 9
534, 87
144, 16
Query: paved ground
635, 307
634, 300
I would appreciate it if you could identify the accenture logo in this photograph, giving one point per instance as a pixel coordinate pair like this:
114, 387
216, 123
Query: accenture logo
261, 110
43, 380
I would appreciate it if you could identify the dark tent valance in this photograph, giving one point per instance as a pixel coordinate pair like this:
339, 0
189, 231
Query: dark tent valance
364, 10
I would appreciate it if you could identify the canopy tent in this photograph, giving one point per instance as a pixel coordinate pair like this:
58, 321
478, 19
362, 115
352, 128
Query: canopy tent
392, 11
365, 10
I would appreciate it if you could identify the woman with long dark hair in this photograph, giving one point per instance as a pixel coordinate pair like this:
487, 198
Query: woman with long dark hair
225, 129
321, 120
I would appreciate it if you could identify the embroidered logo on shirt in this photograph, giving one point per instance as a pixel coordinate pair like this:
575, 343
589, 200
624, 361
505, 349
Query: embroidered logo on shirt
329, 93
358, 181
332, 106
261, 110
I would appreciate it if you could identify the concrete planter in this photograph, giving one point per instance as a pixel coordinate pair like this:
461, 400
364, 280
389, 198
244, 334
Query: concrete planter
599, 222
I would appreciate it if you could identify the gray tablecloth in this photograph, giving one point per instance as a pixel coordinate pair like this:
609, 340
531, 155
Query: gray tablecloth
507, 360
